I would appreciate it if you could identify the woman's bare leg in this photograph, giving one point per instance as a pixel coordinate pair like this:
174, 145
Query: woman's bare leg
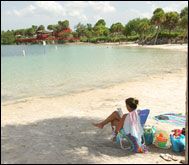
114, 123
112, 118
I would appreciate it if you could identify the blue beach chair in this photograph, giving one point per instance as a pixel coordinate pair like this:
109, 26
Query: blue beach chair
143, 114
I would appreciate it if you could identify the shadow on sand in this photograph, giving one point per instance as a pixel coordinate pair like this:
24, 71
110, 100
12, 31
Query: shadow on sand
59, 140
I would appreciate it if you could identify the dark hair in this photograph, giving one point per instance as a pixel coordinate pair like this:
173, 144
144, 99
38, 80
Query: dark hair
132, 103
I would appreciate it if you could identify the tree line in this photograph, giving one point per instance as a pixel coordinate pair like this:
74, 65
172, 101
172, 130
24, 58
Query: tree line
162, 27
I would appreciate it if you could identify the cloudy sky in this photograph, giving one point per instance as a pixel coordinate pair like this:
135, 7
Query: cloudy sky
23, 14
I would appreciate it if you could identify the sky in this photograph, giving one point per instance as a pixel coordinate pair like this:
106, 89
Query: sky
24, 14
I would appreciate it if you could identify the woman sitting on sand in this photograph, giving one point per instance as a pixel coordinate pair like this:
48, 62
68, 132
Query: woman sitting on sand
129, 123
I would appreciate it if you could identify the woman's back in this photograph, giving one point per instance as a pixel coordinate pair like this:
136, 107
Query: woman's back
132, 125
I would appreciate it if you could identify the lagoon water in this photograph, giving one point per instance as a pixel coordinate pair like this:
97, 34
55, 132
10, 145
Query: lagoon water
56, 70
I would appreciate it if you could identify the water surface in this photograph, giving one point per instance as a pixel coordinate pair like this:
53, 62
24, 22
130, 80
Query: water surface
55, 70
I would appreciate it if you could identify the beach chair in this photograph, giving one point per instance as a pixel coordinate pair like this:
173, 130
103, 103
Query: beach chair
143, 114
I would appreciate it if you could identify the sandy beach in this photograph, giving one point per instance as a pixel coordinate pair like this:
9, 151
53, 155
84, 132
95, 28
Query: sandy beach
59, 130
177, 47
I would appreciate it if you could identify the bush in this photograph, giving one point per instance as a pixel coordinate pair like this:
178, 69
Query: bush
93, 40
167, 35
132, 38
99, 39
102, 39
83, 39
61, 41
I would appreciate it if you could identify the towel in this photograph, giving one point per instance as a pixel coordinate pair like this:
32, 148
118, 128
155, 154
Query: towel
133, 126
173, 118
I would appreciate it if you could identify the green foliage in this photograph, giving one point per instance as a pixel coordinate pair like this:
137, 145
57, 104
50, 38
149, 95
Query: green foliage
30, 32
93, 40
20, 32
117, 28
34, 27
138, 27
83, 39
100, 22
168, 25
158, 17
171, 20
184, 12
132, 38
184, 18
143, 28
7, 37
75, 34
50, 27
131, 27
63, 24
61, 41
41, 27
100, 29
81, 29
168, 35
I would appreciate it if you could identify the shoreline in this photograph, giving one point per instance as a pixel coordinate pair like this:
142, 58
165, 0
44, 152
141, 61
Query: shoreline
88, 89
177, 47
147, 80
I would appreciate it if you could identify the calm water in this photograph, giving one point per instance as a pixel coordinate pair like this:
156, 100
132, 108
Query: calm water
62, 69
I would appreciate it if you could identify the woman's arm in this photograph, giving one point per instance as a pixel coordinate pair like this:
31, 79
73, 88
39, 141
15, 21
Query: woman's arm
120, 124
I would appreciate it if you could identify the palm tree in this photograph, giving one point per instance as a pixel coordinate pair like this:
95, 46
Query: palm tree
184, 21
117, 28
143, 28
171, 20
41, 27
157, 19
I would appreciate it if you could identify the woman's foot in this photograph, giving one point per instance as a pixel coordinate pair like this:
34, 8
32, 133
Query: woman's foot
99, 125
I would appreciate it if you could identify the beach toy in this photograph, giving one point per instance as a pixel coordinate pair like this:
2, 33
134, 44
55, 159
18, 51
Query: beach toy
178, 143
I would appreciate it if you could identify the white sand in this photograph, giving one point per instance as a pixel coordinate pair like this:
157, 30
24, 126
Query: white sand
59, 130
177, 47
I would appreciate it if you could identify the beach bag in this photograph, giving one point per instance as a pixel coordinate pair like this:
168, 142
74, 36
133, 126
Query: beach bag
178, 143
161, 139
122, 141
128, 142
149, 132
